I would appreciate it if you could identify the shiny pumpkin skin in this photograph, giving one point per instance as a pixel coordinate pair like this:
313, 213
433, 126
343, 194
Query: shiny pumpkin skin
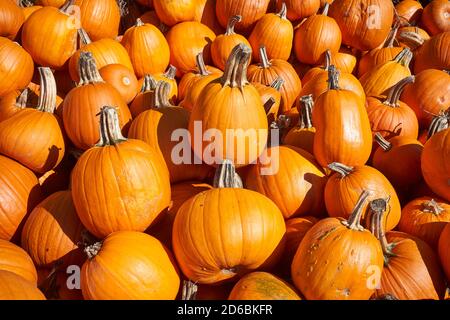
142, 271
173, 12
250, 11
434, 53
12, 18
410, 11
206, 219
16, 260
297, 10
262, 286
122, 79
435, 17
192, 96
14, 287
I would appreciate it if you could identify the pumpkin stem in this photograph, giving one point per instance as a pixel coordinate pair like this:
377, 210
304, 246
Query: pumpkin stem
92, 250
21, 101
123, 7
378, 209
47, 97
161, 97
283, 11
67, 6
433, 207
171, 72
327, 60
411, 39
354, 220
231, 24
306, 103
340, 168
395, 92
277, 83
265, 62
439, 123
189, 290
326, 7
201, 65
235, 74
389, 43
149, 84
83, 37
333, 78
87, 69
447, 71
139, 23
110, 133
404, 57
226, 176
25, 3
269, 104
382, 142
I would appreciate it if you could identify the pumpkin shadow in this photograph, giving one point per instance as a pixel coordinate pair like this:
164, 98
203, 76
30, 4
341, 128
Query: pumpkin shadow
53, 156
314, 203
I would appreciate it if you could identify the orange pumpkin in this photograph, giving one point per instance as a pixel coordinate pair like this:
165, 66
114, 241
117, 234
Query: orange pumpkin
435, 17
13, 102
249, 11
434, 53
11, 19
144, 100
14, 287
122, 79
28, 8
169, 77
298, 10
409, 11
411, 36
129, 265
14, 259
173, 12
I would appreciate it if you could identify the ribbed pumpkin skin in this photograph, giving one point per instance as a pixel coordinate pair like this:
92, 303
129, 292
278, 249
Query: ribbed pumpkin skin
376, 57
14, 259
296, 184
222, 46
191, 98
262, 286
100, 19
130, 266
342, 274
418, 221
205, 220
206, 14
50, 28
105, 52
33, 138
14, 287
435, 16
297, 10
128, 193
362, 28
148, 49
251, 11
16, 67
186, 40
19, 193
414, 272
80, 109
175, 11
189, 79
52, 231
436, 164
11, 19
434, 53
341, 193
444, 250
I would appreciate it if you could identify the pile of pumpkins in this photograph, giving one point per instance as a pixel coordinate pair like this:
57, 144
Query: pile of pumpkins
356, 94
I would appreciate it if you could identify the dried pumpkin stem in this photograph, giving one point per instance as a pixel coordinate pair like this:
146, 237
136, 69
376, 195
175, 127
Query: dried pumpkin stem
378, 209
67, 6
326, 7
235, 74
231, 24
327, 60
354, 220
139, 23
265, 62
87, 69
395, 92
333, 78
226, 176
25, 3
203, 71
306, 103
149, 84
171, 72
269, 104
162, 92
439, 123
412, 39
340, 168
404, 57
92, 250
123, 7
83, 37
277, 83
283, 11
189, 290
241, 71
382, 142
389, 43
110, 132
47, 96
21, 101
433, 207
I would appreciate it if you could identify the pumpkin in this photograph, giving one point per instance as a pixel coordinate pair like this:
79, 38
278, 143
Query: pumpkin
33, 137
148, 49
206, 219
434, 53
206, 14
173, 12
223, 44
16, 67
188, 80
13, 102
435, 17
411, 268
344, 60
83, 103
291, 180
128, 204
249, 11
302, 135
398, 159
315, 36
323, 68
52, 231
122, 79
230, 103
53, 28
169, 77
378, 80
104, 51
20, 192
28, 8
321, 273
262, 286
276, 33
391, 117
158, 134
144, 100
196, 89
11, 19
346, 183
298, 10
129, 265
444, 251
14, 287
52, 3
14, 259
100, 19
404, 35
269, 70
270, 97
364, 24
339, 138
409, 11
186, 40
425, 218
379, 56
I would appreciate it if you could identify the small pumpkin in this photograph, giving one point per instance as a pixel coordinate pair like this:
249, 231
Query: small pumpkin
435, 17
122, 79
409, 11
298, 10
28, 8
173, 12
13, 102
14, 287
12, 18
249, 11
16, 260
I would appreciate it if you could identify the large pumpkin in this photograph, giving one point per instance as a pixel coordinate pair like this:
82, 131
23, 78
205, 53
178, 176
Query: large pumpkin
434, 53
204, 221
11, 19
14, 287
176, 11
14, 259
409, 11
250, 11
338, 259
129, 265
136, 176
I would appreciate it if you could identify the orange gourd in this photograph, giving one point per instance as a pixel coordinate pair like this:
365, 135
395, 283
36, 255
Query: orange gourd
175, 11
122, 79
435, 17
409, 11
11, 19
298, 10
434, 53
